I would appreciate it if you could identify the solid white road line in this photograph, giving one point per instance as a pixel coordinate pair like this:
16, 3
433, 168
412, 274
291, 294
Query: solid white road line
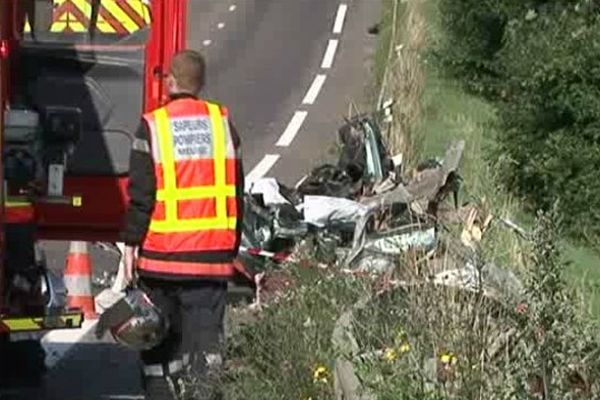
261, 168
58, 343
329, 53
339, 18
314, 89
292, 129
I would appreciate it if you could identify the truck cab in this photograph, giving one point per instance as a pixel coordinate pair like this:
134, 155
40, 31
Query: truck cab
75, 77
88, 69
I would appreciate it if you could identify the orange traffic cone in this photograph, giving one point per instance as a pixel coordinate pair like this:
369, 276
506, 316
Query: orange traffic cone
78, 280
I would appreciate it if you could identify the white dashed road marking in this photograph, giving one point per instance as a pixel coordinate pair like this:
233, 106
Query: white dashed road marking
300, 181
339, 18
314, 89
329, 54
310, 97
261, 168
292, 129
220, 25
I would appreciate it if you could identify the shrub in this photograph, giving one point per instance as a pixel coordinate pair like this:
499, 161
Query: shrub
538, 61
551, 117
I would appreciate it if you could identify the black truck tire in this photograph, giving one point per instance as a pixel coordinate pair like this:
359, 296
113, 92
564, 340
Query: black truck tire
23, 363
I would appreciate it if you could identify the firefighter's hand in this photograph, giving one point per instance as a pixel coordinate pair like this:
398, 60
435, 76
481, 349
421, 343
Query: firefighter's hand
129, 263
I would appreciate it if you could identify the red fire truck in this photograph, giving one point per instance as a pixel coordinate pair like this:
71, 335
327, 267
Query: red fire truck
75, 75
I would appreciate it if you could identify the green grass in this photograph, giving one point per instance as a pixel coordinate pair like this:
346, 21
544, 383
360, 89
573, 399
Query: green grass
584, 272
449, 113
274, 355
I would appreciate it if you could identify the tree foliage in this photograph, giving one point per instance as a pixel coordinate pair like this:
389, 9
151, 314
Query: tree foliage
540, 62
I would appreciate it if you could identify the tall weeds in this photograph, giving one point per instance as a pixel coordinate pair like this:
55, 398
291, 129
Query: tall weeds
406, 80
427, 342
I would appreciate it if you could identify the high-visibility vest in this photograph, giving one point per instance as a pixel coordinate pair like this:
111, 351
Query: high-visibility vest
18, 210
193, 228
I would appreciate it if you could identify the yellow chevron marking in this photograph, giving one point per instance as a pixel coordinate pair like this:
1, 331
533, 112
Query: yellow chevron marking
113, 8
142, 10
68, 21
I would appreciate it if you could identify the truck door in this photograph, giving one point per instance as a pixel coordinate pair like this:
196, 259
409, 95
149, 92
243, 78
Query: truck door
86, 56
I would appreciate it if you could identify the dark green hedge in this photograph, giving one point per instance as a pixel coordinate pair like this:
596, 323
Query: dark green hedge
539, 61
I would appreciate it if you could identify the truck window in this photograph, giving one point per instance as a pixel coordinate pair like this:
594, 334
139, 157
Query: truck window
101, 22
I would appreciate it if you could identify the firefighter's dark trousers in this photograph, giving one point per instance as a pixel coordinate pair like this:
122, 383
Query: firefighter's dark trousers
193, 349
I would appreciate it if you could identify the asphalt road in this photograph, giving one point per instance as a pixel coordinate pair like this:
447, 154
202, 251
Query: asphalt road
288, 70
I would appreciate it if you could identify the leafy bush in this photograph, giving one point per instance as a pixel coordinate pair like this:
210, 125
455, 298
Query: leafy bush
473, 34
538, 61
551, 117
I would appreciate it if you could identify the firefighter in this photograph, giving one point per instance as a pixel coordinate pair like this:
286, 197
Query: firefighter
183, 224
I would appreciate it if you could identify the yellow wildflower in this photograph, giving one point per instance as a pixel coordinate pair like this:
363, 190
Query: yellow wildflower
405, 347
320, 374
448, 358
390, 354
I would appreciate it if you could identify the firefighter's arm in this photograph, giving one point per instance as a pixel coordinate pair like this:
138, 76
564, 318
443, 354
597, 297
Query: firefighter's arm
141, 189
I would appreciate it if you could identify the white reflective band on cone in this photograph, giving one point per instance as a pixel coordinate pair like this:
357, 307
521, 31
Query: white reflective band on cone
78, 247
78, 285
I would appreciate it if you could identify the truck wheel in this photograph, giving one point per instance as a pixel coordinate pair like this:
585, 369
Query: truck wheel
4, 342
26, 363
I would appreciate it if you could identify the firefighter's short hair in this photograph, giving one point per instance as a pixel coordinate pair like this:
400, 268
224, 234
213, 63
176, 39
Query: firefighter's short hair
188, 68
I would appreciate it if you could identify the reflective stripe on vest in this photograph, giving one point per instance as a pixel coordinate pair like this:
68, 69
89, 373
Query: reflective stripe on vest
188, 268
171, 194
196, 205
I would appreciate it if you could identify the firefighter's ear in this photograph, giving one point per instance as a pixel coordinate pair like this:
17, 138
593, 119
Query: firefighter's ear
171, 84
